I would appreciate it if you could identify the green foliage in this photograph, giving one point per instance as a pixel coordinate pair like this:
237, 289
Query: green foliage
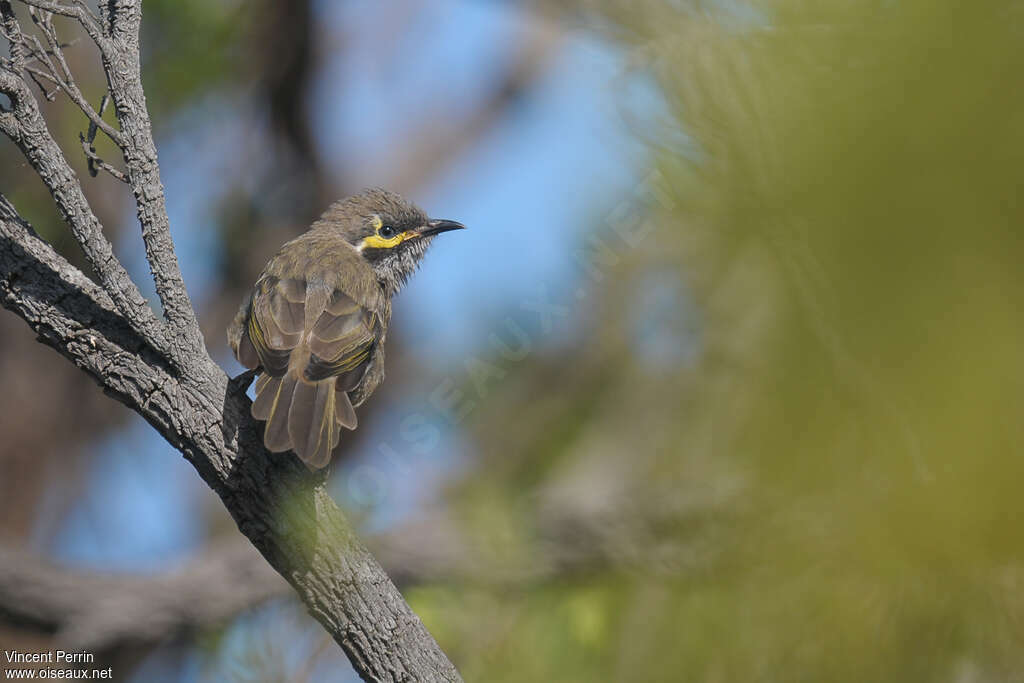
190, 46
558, 632
838, 477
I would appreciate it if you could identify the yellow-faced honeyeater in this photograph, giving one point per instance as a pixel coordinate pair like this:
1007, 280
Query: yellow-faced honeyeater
315, 321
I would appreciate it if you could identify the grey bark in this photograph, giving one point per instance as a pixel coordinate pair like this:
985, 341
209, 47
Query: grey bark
163, 371
25, 126
121, 55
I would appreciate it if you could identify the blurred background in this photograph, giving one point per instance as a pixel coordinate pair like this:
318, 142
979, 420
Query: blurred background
723, 383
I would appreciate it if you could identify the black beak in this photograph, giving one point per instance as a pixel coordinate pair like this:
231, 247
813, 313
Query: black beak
440, 225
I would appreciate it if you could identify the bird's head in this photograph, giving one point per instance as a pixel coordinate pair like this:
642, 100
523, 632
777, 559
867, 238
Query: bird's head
392, 234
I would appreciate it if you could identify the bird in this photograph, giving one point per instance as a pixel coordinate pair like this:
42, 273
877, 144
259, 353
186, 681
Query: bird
314, 324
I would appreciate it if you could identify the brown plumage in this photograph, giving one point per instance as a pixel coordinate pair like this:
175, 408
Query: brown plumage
316, 319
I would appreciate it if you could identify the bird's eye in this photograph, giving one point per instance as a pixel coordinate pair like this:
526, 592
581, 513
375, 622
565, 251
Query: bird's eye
387, 232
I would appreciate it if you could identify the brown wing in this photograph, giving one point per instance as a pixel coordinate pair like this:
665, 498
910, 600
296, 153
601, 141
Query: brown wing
341, 341
315, 345
276, 322
331, 333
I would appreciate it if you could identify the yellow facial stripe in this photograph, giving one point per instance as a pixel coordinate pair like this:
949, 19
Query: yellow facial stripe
378, 242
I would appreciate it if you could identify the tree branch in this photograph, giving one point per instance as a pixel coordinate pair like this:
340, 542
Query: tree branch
102, 613
118, 41
95, 163
25, 126
63, 76
274, 500
121, 63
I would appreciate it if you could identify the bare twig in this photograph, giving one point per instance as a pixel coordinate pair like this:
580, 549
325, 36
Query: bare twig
43, 56
94, 161
64, 77
35, 75
58, 73
96, 164
45, 75
79, 10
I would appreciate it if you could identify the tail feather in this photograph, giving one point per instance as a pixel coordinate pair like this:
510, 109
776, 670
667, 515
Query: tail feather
311, 421
272, 405
261, 384
344, 412
301, 416
305, 417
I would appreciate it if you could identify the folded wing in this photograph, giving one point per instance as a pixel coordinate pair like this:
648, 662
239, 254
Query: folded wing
314, 345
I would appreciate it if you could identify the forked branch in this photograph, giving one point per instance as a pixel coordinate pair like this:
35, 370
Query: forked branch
25, 126
116, 36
